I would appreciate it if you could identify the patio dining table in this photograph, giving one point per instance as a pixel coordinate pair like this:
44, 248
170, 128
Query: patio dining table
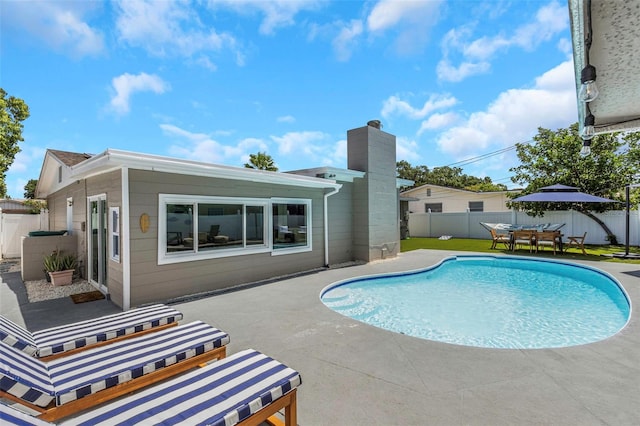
558, 236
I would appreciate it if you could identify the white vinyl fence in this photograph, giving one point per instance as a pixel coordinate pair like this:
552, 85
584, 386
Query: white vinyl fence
467, 225
14, 226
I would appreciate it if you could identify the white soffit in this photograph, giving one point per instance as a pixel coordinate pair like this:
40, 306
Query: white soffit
615, 53
116, 159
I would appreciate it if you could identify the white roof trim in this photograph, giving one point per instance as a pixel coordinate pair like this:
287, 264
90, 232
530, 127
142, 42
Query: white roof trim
112, 159
344, 175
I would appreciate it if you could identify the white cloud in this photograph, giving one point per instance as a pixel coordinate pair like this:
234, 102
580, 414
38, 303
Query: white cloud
448, 72
309, 144
60, 25
438, 121
515, 115
407, 149
277, 13
475, 55
346, 40
412, 21
394, 105
202, 147
390, 13
127, 84
169, 28
286, 119
29, 158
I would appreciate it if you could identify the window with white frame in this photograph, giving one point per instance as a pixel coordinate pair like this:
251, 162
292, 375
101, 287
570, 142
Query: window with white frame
291, 225
476, 206
203, 227
114, 223
433, 208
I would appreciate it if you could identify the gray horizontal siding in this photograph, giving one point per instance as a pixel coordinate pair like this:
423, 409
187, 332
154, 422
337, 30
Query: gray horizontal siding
151, 282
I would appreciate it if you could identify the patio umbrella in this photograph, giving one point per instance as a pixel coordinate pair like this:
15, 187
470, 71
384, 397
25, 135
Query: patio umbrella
562, 194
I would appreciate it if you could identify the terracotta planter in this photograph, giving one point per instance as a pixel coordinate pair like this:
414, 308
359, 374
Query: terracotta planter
61, 277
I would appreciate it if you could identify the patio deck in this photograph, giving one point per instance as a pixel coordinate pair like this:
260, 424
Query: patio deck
356, 374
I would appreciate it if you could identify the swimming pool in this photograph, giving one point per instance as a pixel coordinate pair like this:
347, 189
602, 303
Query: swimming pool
489, 301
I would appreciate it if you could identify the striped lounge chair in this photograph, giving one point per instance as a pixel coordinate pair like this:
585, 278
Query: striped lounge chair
246, 388
66, 385
61, 341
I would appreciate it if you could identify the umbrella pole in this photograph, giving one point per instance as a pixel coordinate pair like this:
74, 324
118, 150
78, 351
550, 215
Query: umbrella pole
627, 191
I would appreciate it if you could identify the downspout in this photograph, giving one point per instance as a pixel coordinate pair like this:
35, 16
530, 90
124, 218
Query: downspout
326, 223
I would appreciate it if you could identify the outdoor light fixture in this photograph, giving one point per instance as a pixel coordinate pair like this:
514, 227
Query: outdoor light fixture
588, 90
588, 130
586, 148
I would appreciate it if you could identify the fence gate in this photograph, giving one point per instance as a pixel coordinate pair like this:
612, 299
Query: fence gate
14, 226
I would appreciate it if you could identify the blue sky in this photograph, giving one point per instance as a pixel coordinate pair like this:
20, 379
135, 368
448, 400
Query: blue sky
218, 80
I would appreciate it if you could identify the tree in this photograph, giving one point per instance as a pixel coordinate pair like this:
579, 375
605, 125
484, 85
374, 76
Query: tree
261, 161
30, 189
554, 157
13, 111
451, 177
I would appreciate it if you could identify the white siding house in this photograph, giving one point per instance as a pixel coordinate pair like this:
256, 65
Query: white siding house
440, 199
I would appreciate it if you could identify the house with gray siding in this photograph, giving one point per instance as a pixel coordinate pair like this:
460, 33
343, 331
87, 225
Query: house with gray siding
149, 228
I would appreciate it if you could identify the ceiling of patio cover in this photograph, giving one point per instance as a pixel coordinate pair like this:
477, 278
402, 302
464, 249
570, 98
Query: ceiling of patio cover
561, 194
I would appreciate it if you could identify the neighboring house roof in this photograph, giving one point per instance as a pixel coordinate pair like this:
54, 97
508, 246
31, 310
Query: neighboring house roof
447, 188
69, 158
615, 43
10, 205
111, 160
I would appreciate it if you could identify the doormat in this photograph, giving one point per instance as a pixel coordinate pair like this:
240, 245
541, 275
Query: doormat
87, 297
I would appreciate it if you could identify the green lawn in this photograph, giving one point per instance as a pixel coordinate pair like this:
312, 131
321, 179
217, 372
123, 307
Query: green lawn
595, 253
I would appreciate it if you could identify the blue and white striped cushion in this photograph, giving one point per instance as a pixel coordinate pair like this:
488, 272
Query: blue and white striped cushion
223, 393
90, 371
14, 335
80, 374
71, 336
77, 335
24, 376
12, 416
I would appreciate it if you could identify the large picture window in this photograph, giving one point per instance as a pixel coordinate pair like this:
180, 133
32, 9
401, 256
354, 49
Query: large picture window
201, 227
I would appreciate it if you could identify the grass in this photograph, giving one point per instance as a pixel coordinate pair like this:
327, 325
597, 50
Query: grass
594, 253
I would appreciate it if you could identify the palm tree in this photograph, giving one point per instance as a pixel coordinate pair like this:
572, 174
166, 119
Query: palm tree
261, 161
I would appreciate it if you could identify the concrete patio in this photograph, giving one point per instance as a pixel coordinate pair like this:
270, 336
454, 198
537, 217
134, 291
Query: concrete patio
356, 374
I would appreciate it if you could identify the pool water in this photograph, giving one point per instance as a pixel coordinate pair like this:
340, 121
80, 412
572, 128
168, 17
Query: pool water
492, 302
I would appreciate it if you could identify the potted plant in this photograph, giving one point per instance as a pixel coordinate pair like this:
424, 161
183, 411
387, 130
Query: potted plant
60, 267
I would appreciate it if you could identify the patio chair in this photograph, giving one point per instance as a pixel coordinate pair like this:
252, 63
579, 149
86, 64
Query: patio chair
70, 384
246, 388
523, 237
67, 339
547, 239
499, 239
578, 242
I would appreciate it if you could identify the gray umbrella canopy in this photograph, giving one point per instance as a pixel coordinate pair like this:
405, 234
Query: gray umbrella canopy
561, 194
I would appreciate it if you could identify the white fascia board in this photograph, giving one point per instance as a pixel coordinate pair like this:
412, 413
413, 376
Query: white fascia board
344, 175
116, 159
403, 182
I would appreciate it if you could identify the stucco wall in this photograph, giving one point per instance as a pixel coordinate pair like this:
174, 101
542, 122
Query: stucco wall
375, 221
35, 248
